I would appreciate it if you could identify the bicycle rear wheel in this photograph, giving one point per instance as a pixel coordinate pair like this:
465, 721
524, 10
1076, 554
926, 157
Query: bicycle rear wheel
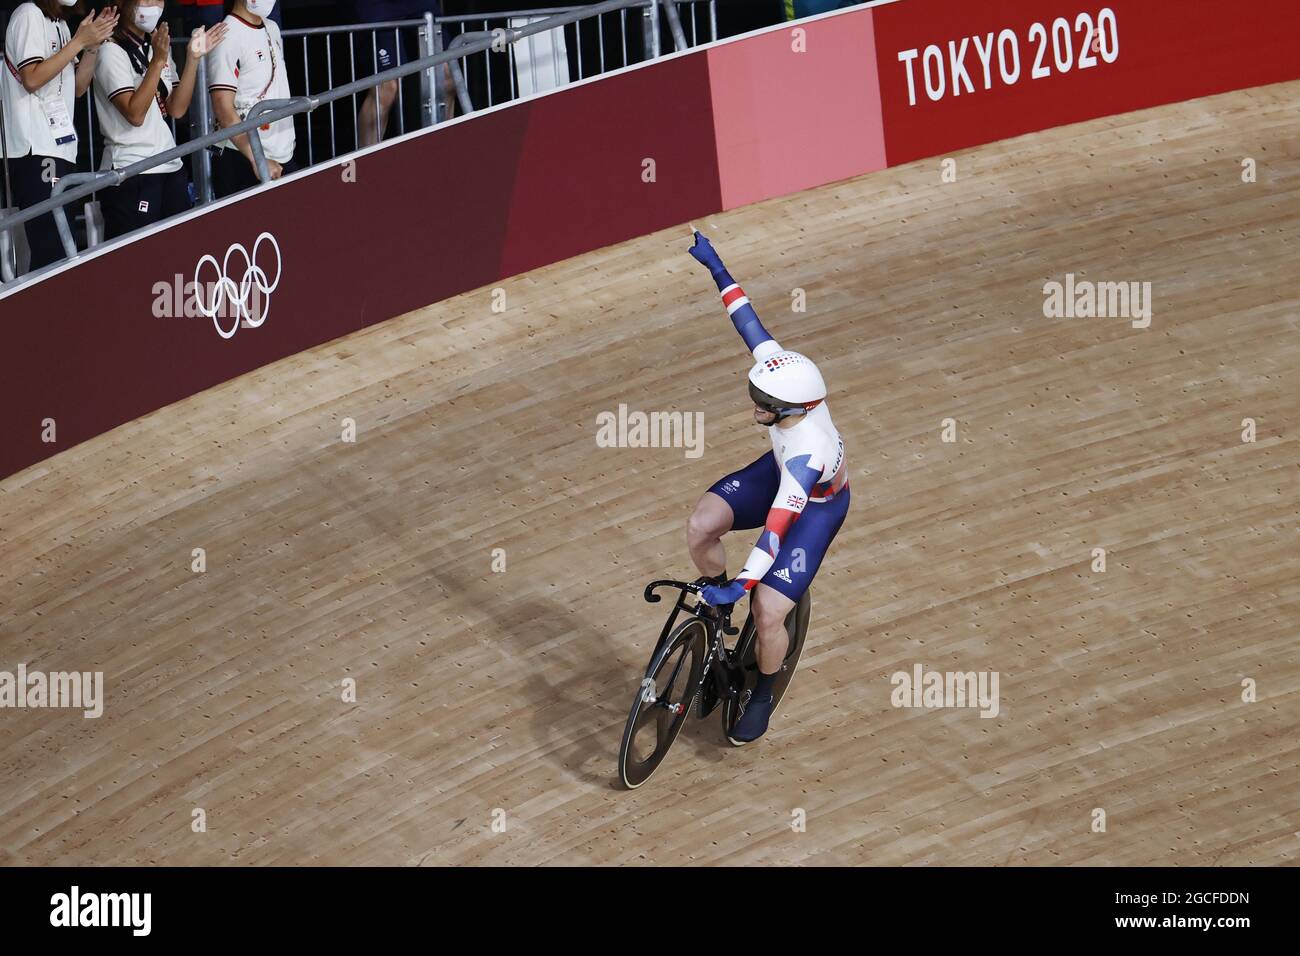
796, 625
662, 703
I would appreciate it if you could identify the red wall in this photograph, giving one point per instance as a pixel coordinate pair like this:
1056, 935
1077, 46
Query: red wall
540, 181
427, 219
1168, 51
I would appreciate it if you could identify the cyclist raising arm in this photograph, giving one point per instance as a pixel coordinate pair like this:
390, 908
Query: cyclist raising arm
797, 493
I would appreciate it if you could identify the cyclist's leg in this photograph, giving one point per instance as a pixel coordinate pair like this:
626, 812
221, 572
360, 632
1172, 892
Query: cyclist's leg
770, 608
791, 574
739, 501
711, 519
776, 595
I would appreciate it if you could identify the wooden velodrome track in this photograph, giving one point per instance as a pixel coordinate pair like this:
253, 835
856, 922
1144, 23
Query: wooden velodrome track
482, 691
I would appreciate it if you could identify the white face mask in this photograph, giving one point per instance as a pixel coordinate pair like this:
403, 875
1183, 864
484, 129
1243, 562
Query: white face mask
146, 18
261, 8
67, 3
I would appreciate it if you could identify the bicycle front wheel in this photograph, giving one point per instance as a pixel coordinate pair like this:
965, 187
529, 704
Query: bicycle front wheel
662, 703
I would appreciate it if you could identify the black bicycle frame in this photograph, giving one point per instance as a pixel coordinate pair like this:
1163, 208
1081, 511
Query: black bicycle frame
720, 665
681, 605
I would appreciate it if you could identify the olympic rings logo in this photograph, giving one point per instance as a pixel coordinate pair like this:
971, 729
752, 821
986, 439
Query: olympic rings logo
240, 294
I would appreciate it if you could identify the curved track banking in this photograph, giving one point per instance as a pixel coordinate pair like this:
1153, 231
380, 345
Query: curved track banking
480, 691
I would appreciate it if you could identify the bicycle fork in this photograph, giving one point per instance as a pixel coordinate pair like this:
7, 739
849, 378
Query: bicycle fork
648, 695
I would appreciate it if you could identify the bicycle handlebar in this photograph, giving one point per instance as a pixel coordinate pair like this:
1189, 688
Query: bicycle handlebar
681, 585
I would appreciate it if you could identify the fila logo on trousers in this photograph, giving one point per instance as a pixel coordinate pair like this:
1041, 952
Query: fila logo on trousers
240, 294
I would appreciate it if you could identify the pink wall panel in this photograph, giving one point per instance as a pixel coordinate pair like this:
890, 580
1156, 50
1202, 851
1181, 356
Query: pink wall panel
789, 120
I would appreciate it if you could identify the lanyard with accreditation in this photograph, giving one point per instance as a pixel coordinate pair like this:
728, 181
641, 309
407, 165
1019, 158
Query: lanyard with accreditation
275, 65
55, 106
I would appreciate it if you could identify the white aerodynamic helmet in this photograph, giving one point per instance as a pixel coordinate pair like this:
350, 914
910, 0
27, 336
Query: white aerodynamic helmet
786, 384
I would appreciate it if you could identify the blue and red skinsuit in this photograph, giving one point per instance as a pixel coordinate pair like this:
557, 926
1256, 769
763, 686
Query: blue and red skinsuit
797, 493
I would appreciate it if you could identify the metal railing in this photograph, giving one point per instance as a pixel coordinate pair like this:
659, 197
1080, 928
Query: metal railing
457, 57
200, 116
612, 44
341, 42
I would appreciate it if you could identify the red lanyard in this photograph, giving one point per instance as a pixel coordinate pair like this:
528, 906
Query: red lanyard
274, 66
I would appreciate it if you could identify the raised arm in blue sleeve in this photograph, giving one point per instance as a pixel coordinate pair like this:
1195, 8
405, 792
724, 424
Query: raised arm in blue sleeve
743, 316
